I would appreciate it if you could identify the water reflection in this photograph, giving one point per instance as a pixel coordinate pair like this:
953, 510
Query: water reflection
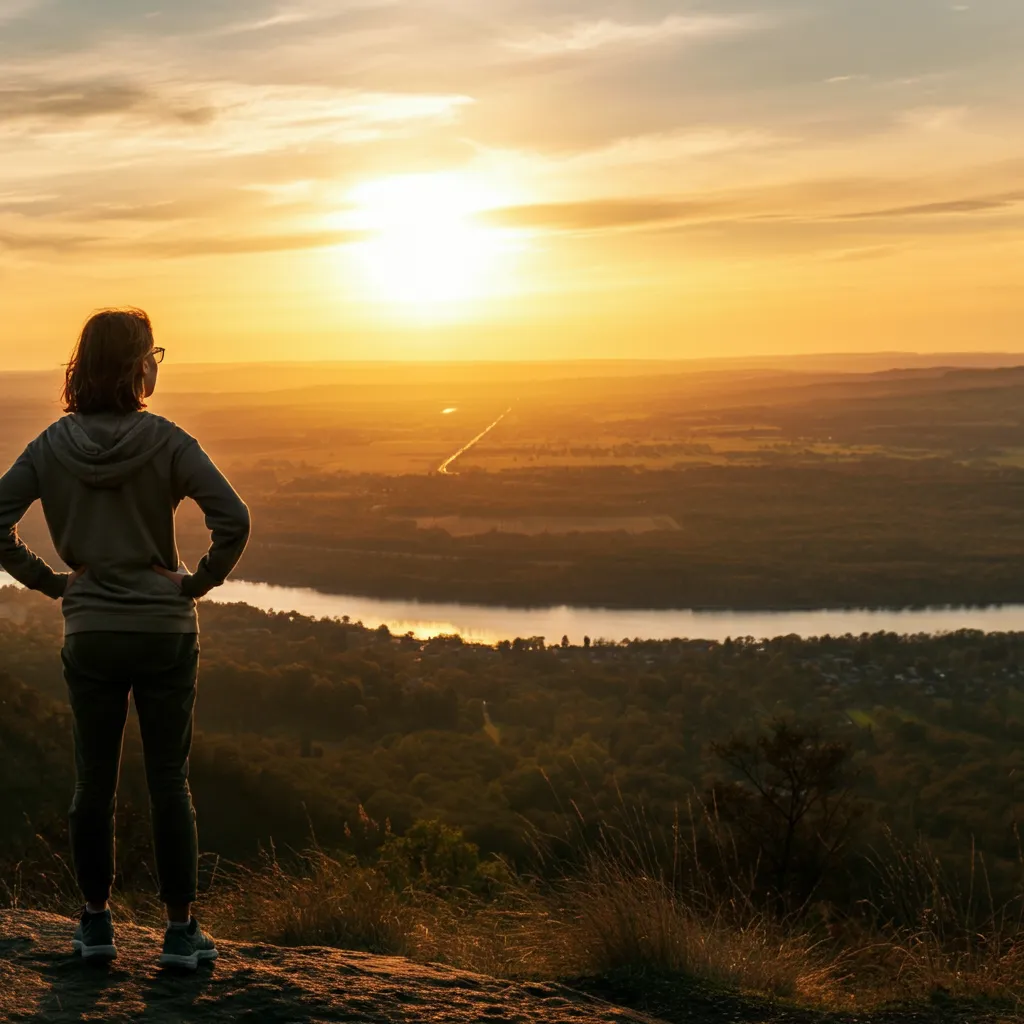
487, 624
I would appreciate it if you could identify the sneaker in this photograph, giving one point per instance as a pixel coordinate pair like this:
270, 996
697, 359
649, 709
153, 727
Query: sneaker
94, 936
186, 947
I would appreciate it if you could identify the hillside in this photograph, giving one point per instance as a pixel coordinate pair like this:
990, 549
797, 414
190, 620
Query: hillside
40, 981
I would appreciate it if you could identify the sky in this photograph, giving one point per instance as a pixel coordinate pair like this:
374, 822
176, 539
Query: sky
325, 179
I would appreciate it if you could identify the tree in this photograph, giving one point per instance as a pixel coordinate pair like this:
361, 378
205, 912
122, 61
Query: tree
791, 806
431, 854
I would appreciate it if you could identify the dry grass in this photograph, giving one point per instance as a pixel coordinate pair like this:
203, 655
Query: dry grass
628, 906
937, 933
618, 909
318, 901
622, 919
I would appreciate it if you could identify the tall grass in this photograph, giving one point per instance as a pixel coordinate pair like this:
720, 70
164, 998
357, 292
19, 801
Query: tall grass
937, 932
626, 898
634, 899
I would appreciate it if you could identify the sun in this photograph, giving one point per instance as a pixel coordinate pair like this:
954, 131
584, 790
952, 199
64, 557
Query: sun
423, 250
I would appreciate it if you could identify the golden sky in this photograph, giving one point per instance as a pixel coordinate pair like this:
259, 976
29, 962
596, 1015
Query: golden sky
325, 179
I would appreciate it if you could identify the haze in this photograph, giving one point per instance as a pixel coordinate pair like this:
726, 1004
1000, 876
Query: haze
515, 180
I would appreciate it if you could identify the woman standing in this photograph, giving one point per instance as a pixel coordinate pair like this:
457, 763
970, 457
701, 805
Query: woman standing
110, 476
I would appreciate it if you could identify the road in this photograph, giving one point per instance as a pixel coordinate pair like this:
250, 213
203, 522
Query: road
443, 468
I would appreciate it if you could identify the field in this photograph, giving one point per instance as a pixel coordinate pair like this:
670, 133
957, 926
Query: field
644, 485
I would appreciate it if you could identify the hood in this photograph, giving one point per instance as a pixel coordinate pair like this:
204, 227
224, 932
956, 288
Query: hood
105, 450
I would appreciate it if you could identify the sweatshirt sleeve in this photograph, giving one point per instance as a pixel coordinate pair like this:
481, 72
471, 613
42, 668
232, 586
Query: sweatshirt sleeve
227, 518
19, 487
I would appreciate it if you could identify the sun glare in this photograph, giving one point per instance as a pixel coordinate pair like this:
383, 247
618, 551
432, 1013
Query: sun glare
424, 251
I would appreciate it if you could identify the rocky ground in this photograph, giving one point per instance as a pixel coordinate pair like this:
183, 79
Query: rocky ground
41, 981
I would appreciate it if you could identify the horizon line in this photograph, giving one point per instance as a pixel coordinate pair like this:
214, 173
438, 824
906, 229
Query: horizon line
577, 360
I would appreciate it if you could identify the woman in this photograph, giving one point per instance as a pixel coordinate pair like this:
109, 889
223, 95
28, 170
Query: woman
109, 476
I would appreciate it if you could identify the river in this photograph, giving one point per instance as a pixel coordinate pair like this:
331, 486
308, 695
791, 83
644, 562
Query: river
489, 624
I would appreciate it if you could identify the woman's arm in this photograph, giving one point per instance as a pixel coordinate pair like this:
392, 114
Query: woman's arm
19, 487
227, 518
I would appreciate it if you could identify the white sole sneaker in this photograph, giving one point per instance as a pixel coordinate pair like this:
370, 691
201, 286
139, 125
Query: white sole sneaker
89, 952
189, 963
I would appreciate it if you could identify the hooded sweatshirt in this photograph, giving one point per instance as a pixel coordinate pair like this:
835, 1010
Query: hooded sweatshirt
109, 486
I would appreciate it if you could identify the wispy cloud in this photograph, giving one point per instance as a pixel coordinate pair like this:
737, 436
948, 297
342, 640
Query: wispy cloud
810, 203
933, 118
863, 255
11, 9
595, 35
602, 214
983, 204
73, 101
210, 117
274, 21
174, 248
240, 244
33, 242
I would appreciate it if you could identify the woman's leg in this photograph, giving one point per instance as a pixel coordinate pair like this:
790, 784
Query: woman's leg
99, 706
165, 694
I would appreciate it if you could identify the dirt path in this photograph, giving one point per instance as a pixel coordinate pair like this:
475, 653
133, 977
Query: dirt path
41, 982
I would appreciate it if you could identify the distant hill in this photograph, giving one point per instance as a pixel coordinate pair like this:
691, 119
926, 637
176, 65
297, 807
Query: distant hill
255, 377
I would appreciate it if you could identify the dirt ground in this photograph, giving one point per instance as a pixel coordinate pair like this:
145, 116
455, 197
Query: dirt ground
42, 981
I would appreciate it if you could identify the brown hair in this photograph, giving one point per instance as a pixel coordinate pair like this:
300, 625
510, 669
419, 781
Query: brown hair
105, 374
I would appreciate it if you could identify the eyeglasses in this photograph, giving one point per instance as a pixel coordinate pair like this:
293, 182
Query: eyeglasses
157, 354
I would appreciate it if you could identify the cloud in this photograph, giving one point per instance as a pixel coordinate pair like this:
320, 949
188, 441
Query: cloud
11, 9
933, 118
863, 255
241, 244
131, 126
601, 214
282, 18
810, 203
217, 245
74, 101
950, 206
52, 243
595, 35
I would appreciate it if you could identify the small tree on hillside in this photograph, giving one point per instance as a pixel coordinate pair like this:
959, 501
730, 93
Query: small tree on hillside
789, 804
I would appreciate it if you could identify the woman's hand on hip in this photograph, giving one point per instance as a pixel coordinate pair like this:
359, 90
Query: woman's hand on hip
74, 577
174, 577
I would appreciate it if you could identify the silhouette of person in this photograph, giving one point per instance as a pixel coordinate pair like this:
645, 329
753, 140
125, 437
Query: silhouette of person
109, 476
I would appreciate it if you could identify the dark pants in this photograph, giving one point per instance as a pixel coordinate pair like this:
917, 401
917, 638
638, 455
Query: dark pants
101, 669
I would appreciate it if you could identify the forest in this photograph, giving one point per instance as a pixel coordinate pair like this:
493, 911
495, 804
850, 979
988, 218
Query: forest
339, 731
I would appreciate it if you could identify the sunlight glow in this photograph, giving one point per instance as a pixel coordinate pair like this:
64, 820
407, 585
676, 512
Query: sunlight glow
424, 250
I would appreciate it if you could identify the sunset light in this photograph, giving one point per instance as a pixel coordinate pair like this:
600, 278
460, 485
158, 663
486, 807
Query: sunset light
561, 418
678, 181
425, 254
